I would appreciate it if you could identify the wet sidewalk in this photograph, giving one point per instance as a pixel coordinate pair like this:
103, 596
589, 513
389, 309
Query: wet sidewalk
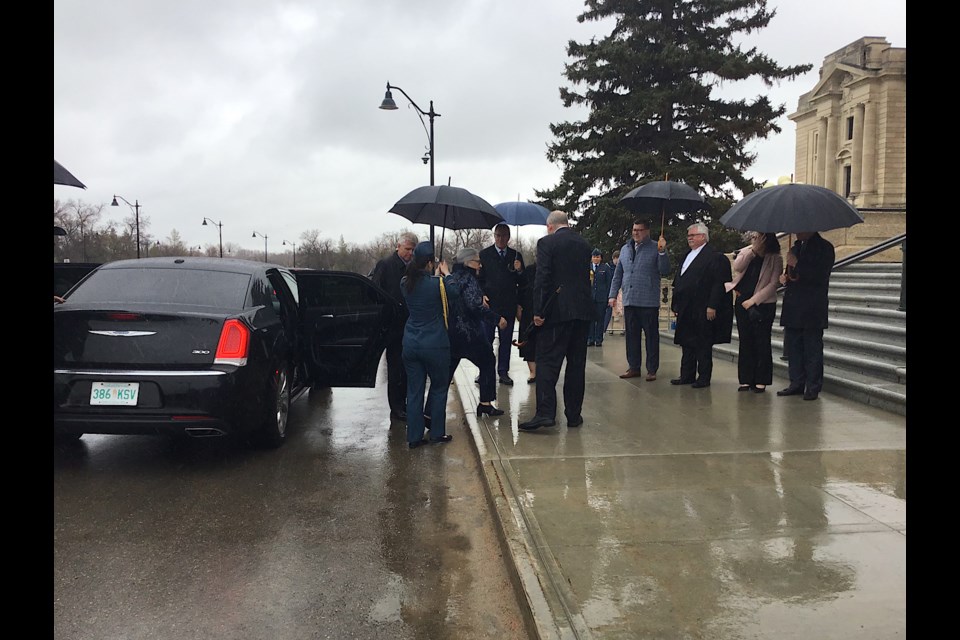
680, 513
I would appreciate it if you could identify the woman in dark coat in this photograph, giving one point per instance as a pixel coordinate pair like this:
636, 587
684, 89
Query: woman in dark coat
527, 336
468, 337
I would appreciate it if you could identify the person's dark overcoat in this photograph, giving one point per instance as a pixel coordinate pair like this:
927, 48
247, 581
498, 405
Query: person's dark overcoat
499, 283
701, 286
562, 286
805, 299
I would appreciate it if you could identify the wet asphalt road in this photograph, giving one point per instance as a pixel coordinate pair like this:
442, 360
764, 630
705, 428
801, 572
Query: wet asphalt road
341, 533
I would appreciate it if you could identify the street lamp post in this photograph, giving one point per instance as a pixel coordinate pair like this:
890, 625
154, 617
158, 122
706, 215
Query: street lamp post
136, 214
219, 226
389, 105
255, 234
294, 252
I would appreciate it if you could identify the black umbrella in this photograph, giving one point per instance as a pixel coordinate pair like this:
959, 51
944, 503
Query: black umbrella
663, 197
448, 207
791, 208
62, 176
59, 231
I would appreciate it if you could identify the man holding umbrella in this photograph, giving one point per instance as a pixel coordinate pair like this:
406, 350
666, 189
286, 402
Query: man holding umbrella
642, 263
803, 313
500, 278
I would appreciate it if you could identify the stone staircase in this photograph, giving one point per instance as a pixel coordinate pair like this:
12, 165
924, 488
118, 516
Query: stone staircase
864, 347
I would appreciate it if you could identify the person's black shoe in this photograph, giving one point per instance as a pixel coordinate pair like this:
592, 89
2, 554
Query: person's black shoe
681, 381
418, 443
489, 410
810, 395
507, 380
441, 439
477, 379
790, 391
700, 384
576, 422
398, 415
536, 423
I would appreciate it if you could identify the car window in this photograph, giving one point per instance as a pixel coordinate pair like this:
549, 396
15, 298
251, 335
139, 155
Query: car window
180, 286
291, 281
343, 293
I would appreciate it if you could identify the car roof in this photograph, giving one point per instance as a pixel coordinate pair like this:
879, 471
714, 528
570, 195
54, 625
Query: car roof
234, 265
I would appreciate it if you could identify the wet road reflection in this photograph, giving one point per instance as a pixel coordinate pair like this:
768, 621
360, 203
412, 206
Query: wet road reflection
342, 532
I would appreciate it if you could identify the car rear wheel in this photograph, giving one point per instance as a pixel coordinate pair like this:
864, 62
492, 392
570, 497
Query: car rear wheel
273, 432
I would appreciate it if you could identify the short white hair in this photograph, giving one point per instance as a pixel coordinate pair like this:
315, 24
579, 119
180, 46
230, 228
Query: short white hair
700, 228
557, 218
408, 237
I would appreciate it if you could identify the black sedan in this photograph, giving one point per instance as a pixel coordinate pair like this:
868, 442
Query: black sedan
209, 346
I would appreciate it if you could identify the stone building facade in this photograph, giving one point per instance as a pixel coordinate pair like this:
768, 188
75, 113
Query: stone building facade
851, 138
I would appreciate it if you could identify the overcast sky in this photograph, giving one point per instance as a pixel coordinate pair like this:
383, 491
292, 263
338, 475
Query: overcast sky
262, 114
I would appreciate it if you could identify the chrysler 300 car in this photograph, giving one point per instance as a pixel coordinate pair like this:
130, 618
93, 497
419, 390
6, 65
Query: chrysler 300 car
209, 346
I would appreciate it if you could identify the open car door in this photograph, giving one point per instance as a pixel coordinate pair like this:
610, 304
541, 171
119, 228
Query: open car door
345, 320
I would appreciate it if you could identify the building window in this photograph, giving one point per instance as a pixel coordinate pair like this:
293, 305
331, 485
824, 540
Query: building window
850, 128
847, 176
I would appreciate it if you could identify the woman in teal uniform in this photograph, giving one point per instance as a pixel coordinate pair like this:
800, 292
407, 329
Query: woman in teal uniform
426, 346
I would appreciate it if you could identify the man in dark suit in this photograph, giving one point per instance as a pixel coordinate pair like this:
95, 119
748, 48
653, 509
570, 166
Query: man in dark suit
702, 305
600, 278
562, 311
803, 313
500, 278
387, 274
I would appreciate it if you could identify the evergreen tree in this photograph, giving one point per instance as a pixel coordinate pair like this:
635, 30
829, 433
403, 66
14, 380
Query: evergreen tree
653, 112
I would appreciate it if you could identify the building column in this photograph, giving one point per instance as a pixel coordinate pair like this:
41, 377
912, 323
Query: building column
821, 152
868, 180
856, 163
830, 156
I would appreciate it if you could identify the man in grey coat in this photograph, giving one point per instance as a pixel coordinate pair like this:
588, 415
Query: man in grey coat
642, 264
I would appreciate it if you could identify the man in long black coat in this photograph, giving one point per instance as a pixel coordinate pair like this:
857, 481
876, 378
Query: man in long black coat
387, 274
803, 313
500, 278
703, 308
562, 311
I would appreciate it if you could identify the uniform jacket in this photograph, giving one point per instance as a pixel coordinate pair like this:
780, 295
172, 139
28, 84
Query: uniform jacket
562, 284
702, 286
639, 276
425, 328
805, 301
499, 283
602, 278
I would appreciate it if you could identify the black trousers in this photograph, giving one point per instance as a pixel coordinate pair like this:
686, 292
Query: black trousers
506, 342
563, 341
396, 376
804, 349
755, 356
696, 360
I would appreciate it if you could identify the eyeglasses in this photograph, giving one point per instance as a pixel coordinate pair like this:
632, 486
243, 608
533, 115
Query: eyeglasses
694, 235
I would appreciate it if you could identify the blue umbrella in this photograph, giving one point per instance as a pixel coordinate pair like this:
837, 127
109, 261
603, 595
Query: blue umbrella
520, 213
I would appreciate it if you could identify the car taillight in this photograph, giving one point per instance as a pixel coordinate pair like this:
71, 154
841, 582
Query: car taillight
234, 343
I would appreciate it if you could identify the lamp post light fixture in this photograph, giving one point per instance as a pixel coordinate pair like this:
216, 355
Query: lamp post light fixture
294, 252
255, 234
388, 104
219, 226
136, 214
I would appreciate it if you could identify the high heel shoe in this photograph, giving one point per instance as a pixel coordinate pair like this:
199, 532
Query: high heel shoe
488, 409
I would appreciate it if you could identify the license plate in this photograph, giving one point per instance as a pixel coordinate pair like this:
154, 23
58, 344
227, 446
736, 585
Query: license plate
114, 393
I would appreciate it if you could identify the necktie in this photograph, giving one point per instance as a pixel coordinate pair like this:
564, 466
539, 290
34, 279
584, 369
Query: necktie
503, 253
